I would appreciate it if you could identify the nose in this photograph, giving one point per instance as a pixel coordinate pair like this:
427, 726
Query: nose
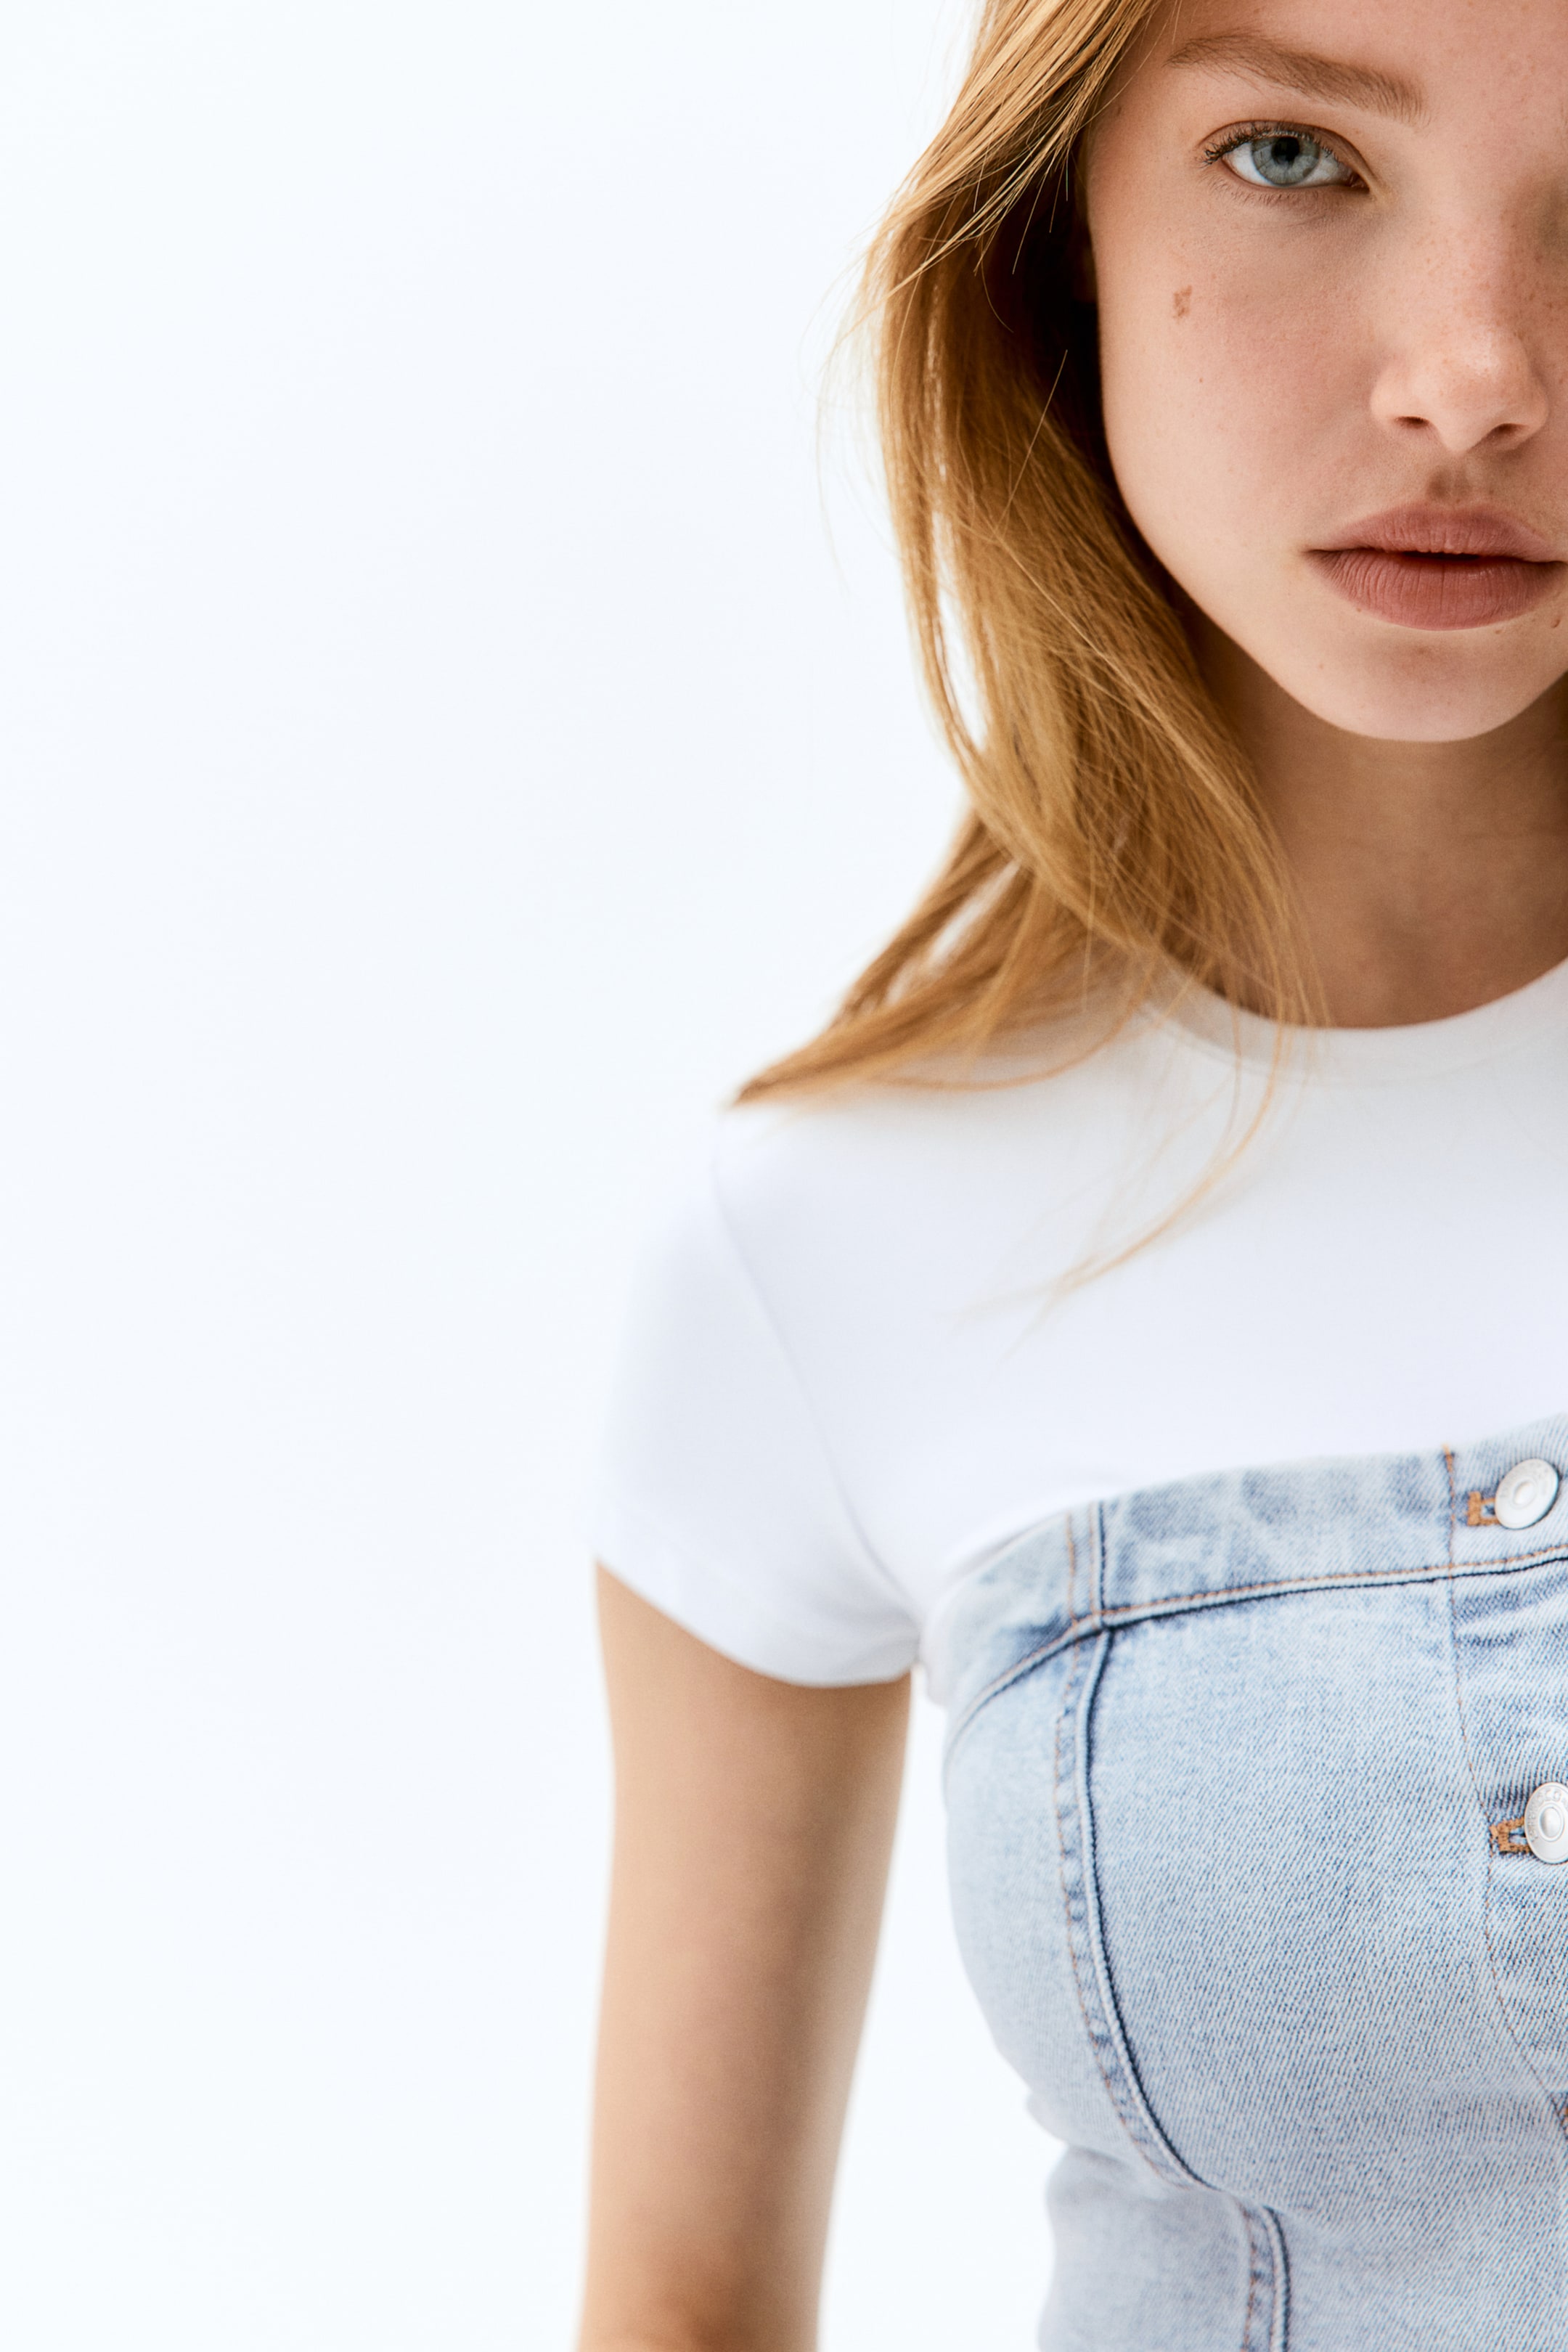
1461, 372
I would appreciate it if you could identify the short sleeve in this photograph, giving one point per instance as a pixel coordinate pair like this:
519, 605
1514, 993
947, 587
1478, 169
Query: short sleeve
716, 1497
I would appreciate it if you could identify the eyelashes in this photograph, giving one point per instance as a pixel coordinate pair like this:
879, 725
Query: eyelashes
1282, 157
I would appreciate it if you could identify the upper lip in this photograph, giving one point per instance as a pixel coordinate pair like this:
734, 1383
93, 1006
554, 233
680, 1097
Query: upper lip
1445, 530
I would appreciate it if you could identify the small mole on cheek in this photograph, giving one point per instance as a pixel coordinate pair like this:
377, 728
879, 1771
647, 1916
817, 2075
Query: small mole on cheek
1181, 301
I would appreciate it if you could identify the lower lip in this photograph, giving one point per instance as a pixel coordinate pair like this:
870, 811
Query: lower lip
1438, 592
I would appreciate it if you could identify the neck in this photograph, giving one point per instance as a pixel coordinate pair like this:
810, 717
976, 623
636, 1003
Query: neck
1431, 877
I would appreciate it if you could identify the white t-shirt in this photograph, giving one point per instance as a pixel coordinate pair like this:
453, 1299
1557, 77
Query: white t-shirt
856, 1364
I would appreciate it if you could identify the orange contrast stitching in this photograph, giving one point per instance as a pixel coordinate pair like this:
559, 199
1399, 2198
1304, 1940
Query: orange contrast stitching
1251, 2278
1343, 1580
1340, 1575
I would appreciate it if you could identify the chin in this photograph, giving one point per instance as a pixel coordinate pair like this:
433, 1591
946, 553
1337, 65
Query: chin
1406, 685
1449, 696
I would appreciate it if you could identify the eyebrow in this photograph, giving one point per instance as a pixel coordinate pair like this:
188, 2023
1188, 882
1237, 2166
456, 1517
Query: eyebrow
1302, 70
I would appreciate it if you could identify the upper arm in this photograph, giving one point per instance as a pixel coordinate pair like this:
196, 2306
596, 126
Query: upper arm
753, 1823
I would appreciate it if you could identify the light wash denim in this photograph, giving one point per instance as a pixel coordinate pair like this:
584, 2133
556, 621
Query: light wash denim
1225, 1761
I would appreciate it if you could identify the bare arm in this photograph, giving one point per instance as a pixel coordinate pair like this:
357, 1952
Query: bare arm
753, 1823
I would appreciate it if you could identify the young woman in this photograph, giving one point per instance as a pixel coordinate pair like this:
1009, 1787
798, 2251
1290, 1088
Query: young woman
1147, 1303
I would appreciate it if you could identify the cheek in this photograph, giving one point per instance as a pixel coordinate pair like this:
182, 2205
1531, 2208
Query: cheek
1231, 407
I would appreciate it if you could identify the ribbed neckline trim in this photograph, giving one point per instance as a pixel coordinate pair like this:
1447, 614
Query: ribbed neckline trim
1420, 1049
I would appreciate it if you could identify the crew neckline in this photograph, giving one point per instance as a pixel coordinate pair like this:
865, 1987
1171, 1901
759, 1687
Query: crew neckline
1375, 1056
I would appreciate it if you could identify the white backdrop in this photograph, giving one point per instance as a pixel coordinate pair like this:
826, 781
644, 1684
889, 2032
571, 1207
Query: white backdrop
443, 752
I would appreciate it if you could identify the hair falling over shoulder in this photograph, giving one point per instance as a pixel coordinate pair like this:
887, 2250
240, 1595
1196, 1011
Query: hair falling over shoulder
1113, 837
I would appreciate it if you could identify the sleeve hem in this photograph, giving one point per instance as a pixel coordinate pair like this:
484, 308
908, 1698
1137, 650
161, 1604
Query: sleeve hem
730, 1619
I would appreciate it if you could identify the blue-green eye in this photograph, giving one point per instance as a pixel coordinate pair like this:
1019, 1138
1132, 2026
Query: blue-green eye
1286, 159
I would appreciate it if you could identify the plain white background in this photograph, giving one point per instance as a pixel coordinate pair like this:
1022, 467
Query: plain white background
452, 730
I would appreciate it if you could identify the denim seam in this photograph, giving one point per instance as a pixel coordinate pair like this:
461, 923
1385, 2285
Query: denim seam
1112, 2052
1450, 1567
1279, 2265
1127, 2104
1246, 2342
1252, 2266
1344, 1580
1072, 1573
1266, 2272
1064, 1713
1265, 2275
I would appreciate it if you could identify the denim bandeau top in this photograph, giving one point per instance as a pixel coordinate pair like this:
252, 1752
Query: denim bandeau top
1254, 1830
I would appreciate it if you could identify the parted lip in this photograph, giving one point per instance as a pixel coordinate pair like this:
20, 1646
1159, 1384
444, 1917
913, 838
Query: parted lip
1478, 532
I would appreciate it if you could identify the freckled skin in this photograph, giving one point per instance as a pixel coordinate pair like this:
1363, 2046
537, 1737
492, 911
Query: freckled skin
1343, 351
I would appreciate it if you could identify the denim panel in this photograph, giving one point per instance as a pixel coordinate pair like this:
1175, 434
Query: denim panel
1152, 2270
1225, 1761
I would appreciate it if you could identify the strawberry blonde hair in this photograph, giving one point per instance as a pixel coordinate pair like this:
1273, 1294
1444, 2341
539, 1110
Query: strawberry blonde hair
1112, 828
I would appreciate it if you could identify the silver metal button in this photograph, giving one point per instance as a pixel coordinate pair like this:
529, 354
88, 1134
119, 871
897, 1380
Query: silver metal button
1546, 1822
1526, 1494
